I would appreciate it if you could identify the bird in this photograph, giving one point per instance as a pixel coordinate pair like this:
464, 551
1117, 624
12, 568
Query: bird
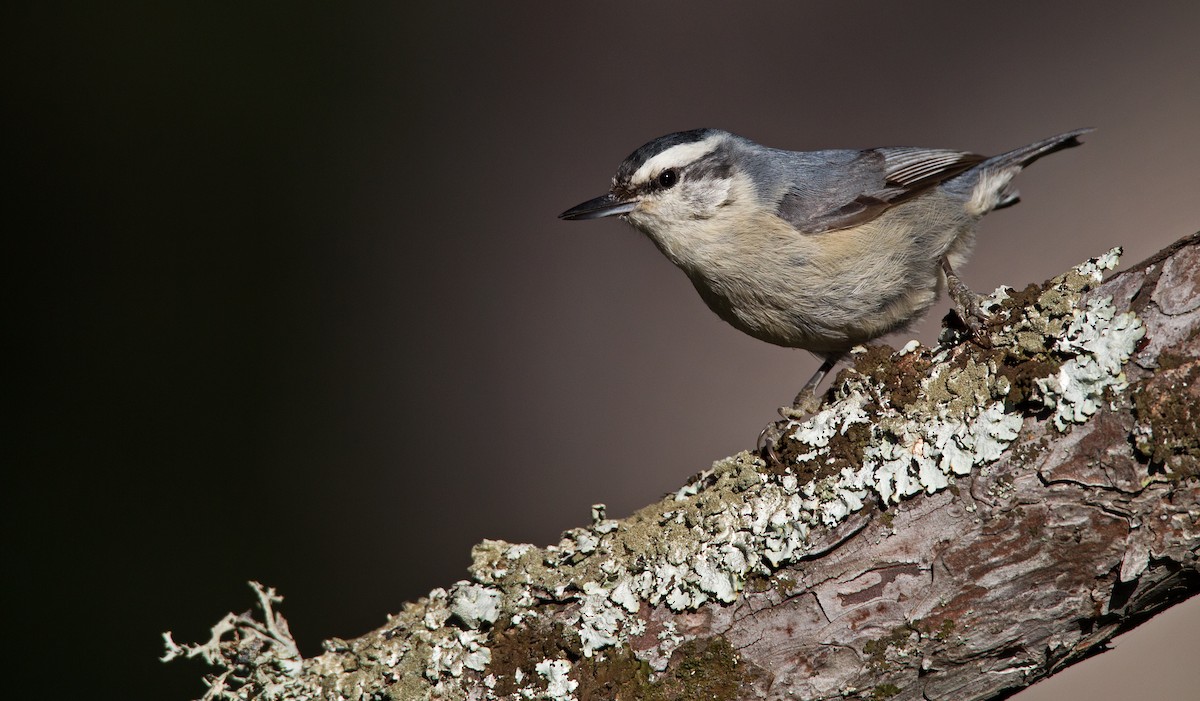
819, 250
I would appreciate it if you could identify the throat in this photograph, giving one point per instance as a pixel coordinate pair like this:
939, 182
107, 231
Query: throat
698, 252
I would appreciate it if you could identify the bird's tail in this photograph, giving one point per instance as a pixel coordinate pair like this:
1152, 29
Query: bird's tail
987, 185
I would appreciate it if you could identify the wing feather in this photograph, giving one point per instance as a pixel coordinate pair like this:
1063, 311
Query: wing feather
862, 188
912, 167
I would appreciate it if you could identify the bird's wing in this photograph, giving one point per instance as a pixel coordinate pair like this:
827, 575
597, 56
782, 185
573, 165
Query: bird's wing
846, 192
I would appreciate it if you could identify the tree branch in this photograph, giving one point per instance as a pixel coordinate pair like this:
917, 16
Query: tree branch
956, 522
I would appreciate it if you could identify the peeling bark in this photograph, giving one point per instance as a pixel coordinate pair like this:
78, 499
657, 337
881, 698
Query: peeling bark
1000, 574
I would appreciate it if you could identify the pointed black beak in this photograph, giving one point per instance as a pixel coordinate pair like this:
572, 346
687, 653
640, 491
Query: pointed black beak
603, 206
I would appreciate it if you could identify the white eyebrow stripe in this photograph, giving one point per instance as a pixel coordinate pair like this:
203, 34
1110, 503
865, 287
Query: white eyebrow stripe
674, 157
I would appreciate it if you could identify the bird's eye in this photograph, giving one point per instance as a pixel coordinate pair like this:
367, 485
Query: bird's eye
668, 178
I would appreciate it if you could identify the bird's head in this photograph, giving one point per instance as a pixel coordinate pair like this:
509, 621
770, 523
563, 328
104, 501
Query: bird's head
675, 181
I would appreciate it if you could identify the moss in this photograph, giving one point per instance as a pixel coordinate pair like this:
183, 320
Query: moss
705, 669
523, 647
757, 583
1019, 300
1168, 360
787, 453
616, 675
901, 375
945, 630
784, 584
701, 480
884, 691
844, 450
1027, 452
876, 650
1167, 411
1021, 373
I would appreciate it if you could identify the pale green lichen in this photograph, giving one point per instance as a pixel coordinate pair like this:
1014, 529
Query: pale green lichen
559, 687
817, 431
455, 653
958, 423
1101, 341
268, 644
730, 524
475, 605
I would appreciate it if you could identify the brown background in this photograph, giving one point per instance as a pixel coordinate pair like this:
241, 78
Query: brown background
291, 301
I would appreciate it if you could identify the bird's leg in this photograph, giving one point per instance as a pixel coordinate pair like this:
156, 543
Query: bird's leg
967, 304
807, 400
805, 404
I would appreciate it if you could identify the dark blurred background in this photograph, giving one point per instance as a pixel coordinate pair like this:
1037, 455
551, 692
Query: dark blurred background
292, 303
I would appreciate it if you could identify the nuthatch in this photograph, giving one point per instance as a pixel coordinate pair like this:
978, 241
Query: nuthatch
820, 250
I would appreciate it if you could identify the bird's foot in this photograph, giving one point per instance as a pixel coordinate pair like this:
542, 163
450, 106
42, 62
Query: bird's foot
768, 442
971, 308
974, 317
804, 406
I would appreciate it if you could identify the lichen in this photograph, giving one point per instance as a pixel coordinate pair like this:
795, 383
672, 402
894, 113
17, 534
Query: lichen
701, 669
921, 639
576, 617
1167, 412
929, 415
475, 605
1100, 341
878, 650
559, 687
267, 655
945, 630
1059, 356
708, 668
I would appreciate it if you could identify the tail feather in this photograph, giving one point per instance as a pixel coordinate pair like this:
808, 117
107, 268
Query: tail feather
1007, 199
987, 186
1025, 155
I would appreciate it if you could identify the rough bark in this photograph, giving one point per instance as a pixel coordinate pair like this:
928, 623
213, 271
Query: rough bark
957, 523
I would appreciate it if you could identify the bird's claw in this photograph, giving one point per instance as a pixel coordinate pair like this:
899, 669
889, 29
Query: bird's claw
768, 438
804, 406
969, 306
